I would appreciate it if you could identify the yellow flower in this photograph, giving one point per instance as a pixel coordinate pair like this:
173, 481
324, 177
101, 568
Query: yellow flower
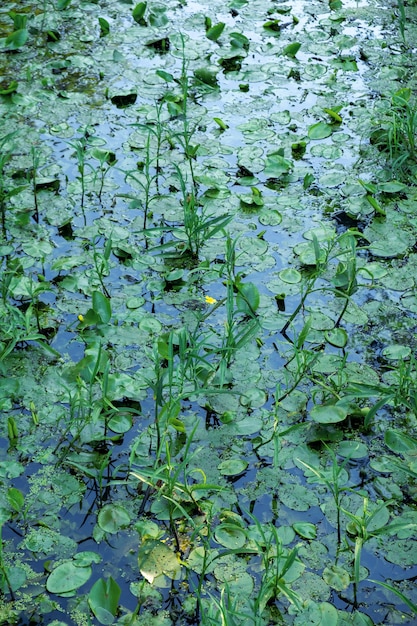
81, 318
210, 300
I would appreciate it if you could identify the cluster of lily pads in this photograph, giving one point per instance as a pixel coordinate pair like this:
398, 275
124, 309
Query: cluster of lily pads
208, 380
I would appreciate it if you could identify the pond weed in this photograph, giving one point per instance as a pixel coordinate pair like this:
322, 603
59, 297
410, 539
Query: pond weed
151, 354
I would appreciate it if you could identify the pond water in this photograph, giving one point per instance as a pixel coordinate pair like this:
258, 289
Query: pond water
208, 381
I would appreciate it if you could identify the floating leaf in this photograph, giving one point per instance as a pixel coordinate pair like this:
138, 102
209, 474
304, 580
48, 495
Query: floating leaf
230, 536
320, 130
156, 560
232, 467
120, 423
305, 530
112, 518
16, 578
400, 442
328, 413
352, 449
396, 352
290, 276
67, 577
276, 165
336, 577
253, 398
336, 337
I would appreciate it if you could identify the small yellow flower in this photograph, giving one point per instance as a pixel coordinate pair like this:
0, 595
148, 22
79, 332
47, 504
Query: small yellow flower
210, 300
81, 317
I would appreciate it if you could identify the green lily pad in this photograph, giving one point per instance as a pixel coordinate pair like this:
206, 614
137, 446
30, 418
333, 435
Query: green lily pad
396, 352
328, 414
270, 217
253, 398
336, 337
336, 577
277, 165
400, 442
16, 578
230, 536
290, 275
67, 577
305, 530
232, 467
157, 560
352, 449
320, 130
120, 422
112, 518
104, 599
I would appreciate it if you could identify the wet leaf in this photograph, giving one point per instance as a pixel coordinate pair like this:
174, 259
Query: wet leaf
232, 467
290, 275
328, 414
156, 561
305, 530
336, 577
67, 577
320, 130
112, 518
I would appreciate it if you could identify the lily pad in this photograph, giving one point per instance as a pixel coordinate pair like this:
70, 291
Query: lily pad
157, 560
232, 467
336, 337
336, 577
67, 577
230, 536
352, 449
320, 130
305, 530
328, 414
396, 352
290, 275
112, 518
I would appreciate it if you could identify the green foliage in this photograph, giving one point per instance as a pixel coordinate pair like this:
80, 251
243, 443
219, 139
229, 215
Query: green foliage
224, 331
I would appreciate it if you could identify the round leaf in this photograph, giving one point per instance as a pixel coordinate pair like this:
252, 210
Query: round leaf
230, 536
156, 560
396, 351
328, 414
336, 337
232, 467
112, 518
253, 398
305, 530
290, 276
321, 130
120, 423
67, 577
336, 577
352, 449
